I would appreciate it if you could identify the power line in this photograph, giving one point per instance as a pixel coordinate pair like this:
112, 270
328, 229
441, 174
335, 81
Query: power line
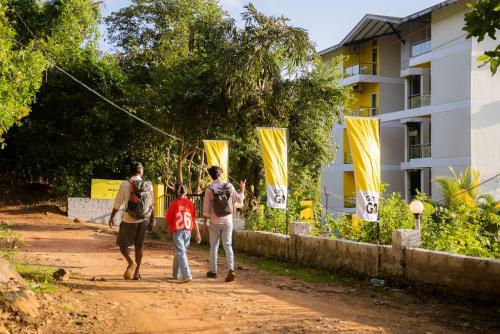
469, 189
163, 132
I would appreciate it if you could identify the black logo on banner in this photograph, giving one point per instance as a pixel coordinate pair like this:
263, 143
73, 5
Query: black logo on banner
371, 205
279, 196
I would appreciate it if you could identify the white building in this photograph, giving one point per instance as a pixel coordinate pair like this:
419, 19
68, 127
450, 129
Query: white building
438, 109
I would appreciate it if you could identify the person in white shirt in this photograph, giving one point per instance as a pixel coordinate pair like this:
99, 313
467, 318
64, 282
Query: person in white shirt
132, 231
221, 226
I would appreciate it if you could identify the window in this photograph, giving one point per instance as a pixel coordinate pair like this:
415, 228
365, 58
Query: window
415, 87
374, 61
373, 105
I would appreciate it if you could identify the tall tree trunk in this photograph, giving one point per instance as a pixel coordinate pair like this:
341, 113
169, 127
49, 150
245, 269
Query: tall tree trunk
180, 162
201, 173
189, 174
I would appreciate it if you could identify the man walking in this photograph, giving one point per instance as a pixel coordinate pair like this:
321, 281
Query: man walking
218, 207
137, 197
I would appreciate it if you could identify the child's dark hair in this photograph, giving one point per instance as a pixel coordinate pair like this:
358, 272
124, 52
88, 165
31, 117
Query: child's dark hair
215, 172
180, 189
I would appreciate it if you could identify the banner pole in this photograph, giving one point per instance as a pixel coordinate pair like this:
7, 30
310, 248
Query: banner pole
378, 225
286, 205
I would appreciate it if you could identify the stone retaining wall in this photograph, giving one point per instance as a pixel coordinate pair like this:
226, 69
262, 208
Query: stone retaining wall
399, 260
403, 259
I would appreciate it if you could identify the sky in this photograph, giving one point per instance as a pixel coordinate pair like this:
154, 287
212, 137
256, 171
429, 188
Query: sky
327, 21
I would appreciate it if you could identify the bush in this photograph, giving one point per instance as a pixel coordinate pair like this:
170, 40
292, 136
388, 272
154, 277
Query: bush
394, 214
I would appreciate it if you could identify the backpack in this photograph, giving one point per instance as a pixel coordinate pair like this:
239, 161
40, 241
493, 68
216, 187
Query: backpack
141, 199
221, 200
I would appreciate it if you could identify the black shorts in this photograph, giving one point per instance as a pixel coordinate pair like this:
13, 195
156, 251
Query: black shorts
132, 234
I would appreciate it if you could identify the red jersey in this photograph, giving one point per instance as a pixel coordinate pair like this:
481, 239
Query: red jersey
181, 214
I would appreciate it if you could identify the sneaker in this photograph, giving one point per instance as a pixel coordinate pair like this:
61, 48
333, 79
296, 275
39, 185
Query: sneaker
185, 280
211, 275
230, 276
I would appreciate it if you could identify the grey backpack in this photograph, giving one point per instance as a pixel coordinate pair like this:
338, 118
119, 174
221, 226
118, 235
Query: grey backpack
222, 203
140, 203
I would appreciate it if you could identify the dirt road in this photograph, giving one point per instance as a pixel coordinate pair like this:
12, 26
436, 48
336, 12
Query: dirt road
98, 300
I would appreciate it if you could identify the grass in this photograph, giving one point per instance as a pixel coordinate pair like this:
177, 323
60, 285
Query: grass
278, 268
39, 278
311, 275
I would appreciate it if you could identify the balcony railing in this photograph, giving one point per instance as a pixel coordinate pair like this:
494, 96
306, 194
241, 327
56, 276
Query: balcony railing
420, 151
364, 112
419, 48
421, 100
361, 68
349, 201
347, 157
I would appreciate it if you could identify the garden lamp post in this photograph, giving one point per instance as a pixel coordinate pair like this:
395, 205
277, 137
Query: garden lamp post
416, 207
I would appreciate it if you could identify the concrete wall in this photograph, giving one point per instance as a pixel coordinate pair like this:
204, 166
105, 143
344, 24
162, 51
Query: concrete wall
92, 210
485, 117
400, 260
389, 56
391, 97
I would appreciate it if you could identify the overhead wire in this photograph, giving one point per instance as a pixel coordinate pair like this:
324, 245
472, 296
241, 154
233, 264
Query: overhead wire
163, 132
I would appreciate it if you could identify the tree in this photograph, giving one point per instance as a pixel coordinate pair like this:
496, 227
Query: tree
168, 51
193, 72
461, 188
482, 20
20, 74
70, 135
32, 34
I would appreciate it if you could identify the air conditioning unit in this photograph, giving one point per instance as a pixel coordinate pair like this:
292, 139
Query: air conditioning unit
354, 49
358, 88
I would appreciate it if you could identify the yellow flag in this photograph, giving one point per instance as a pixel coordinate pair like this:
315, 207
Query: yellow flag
218, 155
273, 143
364, 140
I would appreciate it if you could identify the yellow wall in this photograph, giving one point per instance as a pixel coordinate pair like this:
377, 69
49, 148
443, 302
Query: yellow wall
349, 184
347, 147
349, 188
104, 189
364, 56
363, 98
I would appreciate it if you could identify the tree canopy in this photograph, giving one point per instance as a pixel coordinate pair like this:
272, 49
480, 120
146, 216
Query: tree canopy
31, 34
194, 73
482, 20
184, 66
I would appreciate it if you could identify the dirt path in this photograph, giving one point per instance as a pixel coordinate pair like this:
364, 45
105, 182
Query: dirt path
98, 299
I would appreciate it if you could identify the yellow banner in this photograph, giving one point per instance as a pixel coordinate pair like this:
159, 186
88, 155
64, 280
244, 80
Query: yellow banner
218, 155
364, 139
273, 143
104, 189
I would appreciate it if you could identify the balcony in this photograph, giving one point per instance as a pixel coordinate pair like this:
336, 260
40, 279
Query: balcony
361, 68
364, 112
420, 100
419, 48
349, 201
420, 151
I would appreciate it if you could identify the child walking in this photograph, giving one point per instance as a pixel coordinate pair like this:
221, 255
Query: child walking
181, 216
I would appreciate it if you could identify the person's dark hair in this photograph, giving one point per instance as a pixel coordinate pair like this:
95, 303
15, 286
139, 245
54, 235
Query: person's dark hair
215, 172
135, 168
180, 189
